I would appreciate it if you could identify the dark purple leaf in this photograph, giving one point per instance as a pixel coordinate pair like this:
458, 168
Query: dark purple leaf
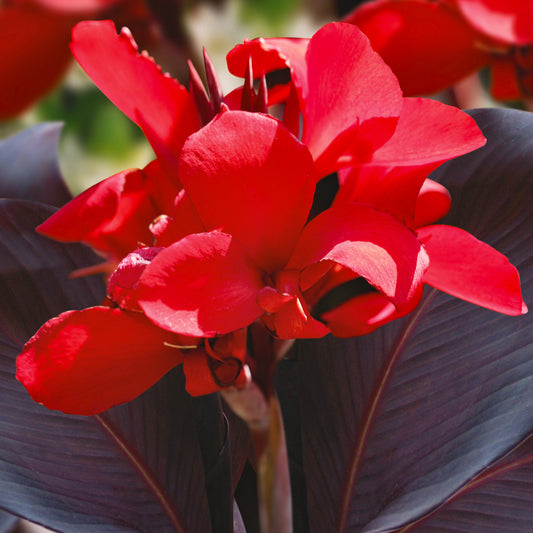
495, 494
240, 443
213, 431
34, 273
136, 467
286, 381
423, 425
7, 522
29, 168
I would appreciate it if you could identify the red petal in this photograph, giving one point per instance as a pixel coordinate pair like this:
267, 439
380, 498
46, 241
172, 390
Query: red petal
391, 189
168, 230
433, 203
165, 231
329, 90
113, 216
413, 37
84, 362
510, 21
356, 88
186, 216
201, 286
34, 56
234, 99
364, 314
294, 321
222, 367
315, 75
161, 187
317, 275
199, 379
127, 274
135, 84
199, 374
267, 55
467, 268
291, 113
289, 316
272, 300
428, 134
247, 175
371, 243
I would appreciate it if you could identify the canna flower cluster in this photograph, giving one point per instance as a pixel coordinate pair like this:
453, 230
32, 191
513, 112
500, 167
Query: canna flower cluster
216, 234
430, 45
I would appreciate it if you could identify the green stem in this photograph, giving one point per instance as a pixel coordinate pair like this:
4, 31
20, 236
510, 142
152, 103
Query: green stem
274, 490
266, 427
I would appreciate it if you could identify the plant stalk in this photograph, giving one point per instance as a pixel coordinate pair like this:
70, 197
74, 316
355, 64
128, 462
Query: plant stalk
274, 489
263, 417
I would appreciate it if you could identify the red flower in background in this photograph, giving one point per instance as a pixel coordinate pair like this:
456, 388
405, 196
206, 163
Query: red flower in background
430, 45
227, 206
35, 42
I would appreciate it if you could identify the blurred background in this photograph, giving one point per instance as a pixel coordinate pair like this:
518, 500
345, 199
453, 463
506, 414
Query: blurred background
97, 140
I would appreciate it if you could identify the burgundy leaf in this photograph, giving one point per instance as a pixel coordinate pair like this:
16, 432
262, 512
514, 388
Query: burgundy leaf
7, 522
422, 425
135, 467
498, 490
29, 168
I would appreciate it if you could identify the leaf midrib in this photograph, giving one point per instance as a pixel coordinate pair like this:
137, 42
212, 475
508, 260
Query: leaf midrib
381, 385
144, 473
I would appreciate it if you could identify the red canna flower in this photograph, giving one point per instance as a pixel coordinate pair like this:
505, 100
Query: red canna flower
258, 244
231, 194
430, 45
391, 178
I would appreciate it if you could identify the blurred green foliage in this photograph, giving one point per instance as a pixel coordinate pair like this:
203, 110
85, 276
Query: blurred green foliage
101, 127
275, 13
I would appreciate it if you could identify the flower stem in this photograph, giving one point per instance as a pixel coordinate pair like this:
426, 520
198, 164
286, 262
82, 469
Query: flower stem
263, 417
257, 404
274, 490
